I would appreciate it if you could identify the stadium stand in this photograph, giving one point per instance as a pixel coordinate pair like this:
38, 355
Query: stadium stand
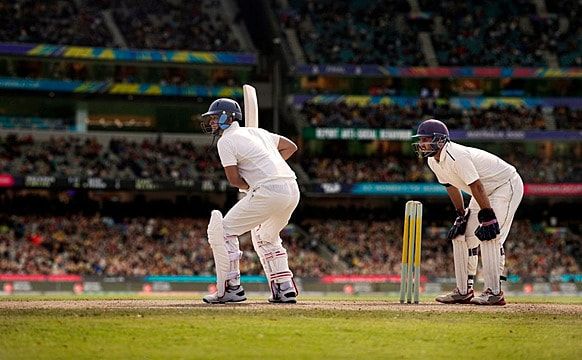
558, 169
373, 32
169, 25
54, 22
399, 117
181, 160
174, 25
482, 33
120, 158
536, 250
99, 245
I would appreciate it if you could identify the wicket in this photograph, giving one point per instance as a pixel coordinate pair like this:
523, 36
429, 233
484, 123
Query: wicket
411, 245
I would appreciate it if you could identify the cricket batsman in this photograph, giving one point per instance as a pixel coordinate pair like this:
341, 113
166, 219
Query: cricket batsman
254, 161
496, 190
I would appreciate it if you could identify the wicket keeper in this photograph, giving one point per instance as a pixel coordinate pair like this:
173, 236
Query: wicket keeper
496, 190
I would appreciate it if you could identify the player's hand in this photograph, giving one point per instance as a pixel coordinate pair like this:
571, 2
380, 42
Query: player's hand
488, 228
459, 226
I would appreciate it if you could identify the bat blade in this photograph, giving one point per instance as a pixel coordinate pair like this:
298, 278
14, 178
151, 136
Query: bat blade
251, 106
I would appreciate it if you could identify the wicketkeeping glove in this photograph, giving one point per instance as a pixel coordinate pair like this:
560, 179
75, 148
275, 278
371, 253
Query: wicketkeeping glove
489, 227
459, 226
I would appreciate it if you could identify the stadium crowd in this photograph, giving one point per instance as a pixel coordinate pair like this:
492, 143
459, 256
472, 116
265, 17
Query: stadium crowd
394, 116
59, 22
490, 33
560, 168
99, 245
567, 39
174, 25
144, 24
354, 32
122, 158
376, 169
184, 160
533, 250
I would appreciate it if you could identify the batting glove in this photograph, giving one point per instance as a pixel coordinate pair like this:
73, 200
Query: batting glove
489, 227
460, 225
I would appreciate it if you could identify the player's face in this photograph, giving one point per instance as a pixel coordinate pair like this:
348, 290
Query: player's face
209, 124
213, 122
425, 147
424, 143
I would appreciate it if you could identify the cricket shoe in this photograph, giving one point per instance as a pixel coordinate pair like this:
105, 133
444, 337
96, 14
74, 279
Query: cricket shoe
231, 294
488, 298
284, 293
455, 297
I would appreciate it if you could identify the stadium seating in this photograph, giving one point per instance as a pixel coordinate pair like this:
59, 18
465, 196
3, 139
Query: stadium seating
397, 117
181, 160
100, 245
170, 25
178, 25
355, 32
53, 22
481, 33
122, 159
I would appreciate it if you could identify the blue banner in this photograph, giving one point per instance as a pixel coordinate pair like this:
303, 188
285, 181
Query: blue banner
132, 55
500, 135
435, 72
454, 102
51, 85
381, 188
119, 88
333, 133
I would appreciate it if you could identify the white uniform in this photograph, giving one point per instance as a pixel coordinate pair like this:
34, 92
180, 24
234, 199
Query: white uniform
272, 197
461, 166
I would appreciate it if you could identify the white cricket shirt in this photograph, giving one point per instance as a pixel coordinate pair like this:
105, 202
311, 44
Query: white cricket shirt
254, 151
463, 165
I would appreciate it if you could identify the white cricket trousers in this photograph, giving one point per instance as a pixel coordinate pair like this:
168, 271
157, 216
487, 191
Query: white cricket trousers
504, 200
269, 206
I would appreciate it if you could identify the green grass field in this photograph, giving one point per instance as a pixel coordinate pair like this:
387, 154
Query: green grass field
374, 327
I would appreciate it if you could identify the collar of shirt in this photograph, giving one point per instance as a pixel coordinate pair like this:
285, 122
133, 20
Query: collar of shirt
443, 153
231, 128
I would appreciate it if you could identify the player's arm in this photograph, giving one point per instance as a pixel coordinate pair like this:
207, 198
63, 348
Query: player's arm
460, 224
479, 194
488, 228
456, 198
234, 178
286, 147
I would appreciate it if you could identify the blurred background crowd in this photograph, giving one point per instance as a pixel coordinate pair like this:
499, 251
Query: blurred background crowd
99, 245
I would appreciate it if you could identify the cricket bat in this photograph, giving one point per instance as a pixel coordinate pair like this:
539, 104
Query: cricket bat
251, 106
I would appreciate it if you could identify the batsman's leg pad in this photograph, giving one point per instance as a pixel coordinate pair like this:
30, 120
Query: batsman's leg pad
461, 262
226, 253
273, 257
491, 258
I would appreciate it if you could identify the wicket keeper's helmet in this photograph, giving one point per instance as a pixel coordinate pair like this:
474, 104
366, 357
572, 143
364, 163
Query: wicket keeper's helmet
438, 133
223, 109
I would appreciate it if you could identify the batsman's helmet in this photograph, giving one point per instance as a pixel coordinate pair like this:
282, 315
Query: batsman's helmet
438, 133
223, 109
